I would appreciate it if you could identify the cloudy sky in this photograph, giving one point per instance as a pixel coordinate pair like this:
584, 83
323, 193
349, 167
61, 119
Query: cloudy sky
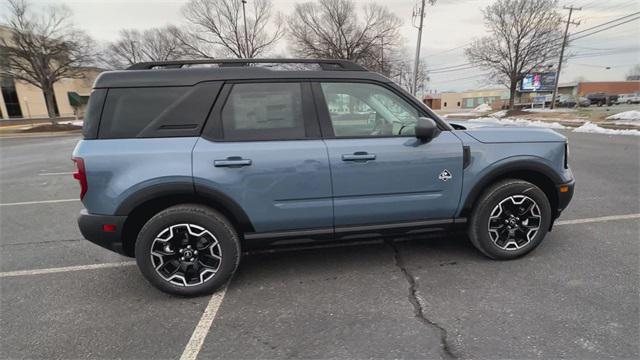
449, 26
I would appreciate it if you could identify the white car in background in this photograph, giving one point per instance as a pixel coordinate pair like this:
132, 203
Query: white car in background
629, 98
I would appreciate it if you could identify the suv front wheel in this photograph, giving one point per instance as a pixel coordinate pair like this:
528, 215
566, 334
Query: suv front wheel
510, 219
188, 250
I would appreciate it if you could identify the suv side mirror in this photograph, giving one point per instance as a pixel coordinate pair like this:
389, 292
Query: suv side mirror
426, 129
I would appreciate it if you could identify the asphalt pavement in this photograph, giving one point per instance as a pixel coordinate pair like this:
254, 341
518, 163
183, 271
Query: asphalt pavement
576, 296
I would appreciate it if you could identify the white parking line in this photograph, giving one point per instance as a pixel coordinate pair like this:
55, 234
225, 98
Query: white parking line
192, 349
39, 202
597, 219
65, 269
202, 329
58, 173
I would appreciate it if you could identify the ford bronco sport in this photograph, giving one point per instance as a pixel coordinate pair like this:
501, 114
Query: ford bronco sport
185, 164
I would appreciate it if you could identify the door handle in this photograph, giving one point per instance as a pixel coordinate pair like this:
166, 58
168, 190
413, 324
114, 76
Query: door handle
359, 156
232, 161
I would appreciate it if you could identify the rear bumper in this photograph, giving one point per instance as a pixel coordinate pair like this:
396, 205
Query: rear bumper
91, 227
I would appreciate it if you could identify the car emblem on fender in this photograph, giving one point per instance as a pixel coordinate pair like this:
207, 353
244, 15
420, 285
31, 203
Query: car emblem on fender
445, 175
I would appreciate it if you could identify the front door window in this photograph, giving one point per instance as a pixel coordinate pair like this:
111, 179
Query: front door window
368, 110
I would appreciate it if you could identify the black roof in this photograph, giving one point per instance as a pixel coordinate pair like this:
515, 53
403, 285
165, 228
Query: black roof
191, 72
324, 64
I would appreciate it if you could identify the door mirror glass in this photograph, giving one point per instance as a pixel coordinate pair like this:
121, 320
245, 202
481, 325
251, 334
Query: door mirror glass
426, 129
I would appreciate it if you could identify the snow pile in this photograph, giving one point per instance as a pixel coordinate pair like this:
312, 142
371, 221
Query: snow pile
482, 108
519, 122
588, 127
74, 122
626, 118
499, 115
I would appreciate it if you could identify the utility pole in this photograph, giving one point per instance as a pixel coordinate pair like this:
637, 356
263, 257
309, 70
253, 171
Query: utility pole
382, 55
246, 38
414, 86
564, 44
416, 63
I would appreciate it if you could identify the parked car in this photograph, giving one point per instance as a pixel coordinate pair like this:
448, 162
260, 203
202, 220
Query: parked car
186, 167
633, 98
584, 102
602, 99
565, 101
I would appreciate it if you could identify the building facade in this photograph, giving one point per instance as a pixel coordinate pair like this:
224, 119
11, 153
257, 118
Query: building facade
19, 99
496, 98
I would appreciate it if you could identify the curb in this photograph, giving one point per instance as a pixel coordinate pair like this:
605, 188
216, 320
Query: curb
40, 135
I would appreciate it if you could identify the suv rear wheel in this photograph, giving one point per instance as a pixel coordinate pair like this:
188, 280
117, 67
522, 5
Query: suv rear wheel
188, 250
510, 219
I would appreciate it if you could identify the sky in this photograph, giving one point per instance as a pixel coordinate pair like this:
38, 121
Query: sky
449, 26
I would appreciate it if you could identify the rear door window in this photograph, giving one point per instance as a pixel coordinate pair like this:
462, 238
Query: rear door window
264, 111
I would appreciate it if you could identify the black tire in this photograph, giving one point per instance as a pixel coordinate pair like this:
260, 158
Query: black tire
202, 217
478, 230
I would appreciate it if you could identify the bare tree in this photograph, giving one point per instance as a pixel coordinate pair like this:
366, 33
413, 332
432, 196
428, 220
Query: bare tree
525, 34
335, 29
401, 70
634, 73
221, 26
157, 44
44, 48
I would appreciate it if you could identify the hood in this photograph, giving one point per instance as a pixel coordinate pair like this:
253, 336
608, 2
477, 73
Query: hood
515, 135
496, 133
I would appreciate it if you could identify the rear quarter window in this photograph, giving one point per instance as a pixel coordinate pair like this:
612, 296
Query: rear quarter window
128, 111
92, 114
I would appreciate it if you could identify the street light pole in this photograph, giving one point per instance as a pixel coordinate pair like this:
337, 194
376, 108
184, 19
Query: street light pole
246, 38
564, 44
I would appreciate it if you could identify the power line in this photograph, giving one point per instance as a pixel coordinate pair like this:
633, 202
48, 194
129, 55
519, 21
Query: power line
450, 67
607, 28
606, 23
571, 37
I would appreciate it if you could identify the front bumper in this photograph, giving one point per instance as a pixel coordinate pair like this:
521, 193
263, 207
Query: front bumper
92, 228
564, 197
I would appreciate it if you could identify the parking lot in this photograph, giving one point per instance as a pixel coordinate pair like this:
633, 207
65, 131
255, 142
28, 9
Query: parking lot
575, 296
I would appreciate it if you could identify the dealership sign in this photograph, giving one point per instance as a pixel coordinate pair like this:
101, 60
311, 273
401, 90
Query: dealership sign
541, 81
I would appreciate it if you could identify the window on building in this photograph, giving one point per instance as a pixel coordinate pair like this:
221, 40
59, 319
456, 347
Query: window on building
10, 95
458, 104
469, 103
445, 104
264, 111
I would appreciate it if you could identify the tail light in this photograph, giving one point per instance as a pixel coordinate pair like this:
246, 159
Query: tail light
80, 175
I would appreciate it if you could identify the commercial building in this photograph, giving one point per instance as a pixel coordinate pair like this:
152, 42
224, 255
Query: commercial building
467, 100
19, 99
497, 98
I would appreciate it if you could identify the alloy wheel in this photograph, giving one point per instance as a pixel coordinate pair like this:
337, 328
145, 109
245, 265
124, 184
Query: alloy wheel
186, 254
514, 222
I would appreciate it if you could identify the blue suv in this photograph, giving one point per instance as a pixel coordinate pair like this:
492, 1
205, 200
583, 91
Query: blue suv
185, 164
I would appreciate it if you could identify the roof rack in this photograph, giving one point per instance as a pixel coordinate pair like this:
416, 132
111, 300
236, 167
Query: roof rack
325, 64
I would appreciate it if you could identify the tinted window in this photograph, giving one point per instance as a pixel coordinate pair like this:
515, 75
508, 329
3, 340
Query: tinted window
359, 109
92, 114
270, 111
128, 111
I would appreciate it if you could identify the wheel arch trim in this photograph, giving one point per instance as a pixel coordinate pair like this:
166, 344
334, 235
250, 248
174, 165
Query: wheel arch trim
186, 188
506, 166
